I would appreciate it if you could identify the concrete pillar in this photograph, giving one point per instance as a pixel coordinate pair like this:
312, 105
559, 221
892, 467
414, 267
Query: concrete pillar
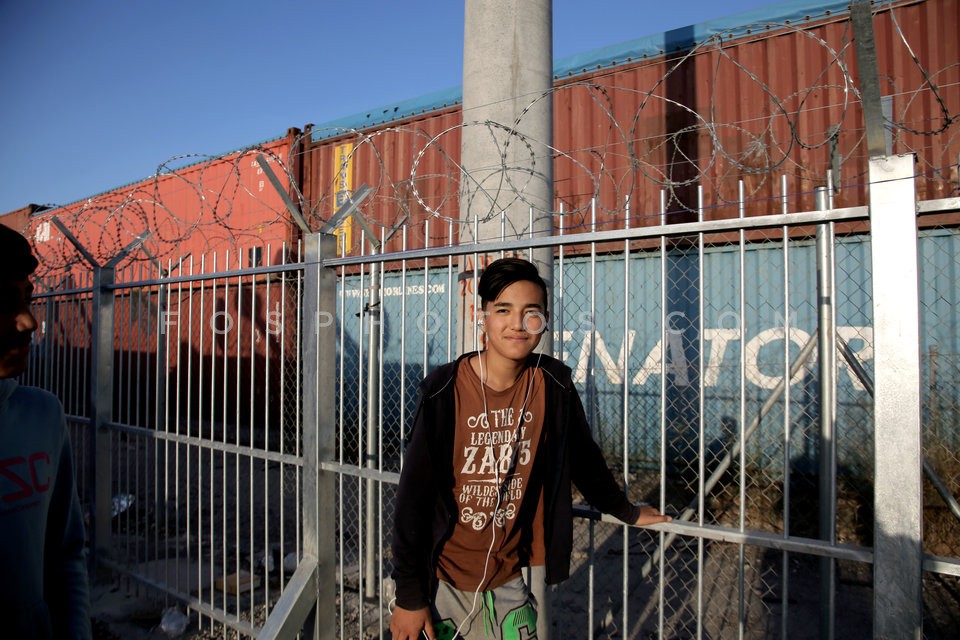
506, 158
506, 189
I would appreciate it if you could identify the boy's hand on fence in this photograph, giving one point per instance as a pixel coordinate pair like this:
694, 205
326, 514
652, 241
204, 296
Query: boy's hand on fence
650, 515
411, 625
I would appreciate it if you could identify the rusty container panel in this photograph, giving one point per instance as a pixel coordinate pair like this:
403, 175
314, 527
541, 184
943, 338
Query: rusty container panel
762, 106
222, 205
19, 219
222, 209
923, 91
410, 169
774, 100
216, 205
651, 130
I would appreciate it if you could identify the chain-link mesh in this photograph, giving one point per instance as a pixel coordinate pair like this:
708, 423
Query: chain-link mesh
718, 353
679, 350
939, 259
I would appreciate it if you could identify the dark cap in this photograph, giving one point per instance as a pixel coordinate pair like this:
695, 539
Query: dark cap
16, 258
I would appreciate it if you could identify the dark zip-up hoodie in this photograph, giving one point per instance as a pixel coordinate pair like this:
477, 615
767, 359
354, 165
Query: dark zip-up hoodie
425, 509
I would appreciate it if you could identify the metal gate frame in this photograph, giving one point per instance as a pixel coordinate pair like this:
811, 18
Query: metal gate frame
897, 558
310, 598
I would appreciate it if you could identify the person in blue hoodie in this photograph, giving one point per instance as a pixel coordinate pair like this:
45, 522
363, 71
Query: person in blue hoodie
43, 576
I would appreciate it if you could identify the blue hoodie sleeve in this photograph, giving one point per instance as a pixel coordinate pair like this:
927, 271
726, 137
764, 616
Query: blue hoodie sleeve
67, 590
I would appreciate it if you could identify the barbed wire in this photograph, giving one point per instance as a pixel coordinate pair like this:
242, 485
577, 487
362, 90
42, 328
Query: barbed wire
715, 115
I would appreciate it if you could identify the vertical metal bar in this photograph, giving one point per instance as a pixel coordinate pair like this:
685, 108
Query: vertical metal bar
127, 374
558, 292
477, 268
58, 314
741, 567
70, 333
827, 359
661, 582
101, 408
48, 340
145, 343
701, 417
362, 366
80, 360
189, 413
122, 363
319, 353
223, 404
152, 448
252, 385
476, 278
591, 565
200, 401
123, 376
176, 447
426, 305
311, 415
267, 426
341, 436
139, 389
450, 294
212, 489
530, 233
374, 319
66, 379
285, 391
161, 463
625, 349
592, 369
282, 413
299, 471
898, 497
123, 450
326, 400
543, 592
785, 564
302, 313
377, 588
503, 229
403, 340
59, 321
237, 388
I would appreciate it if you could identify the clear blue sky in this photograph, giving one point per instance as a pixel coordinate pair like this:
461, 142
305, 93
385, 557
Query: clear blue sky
96, 93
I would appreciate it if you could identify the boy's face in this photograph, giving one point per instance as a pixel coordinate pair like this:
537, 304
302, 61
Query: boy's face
17, 325
515, 321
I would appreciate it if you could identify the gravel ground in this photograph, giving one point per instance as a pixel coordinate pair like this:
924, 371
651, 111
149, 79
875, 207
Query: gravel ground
121, 615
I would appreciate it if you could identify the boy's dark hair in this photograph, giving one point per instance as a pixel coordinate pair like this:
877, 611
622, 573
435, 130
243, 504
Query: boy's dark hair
500, 274
16, 259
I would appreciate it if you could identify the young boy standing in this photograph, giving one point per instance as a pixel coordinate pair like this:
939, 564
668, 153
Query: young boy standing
499, 438
43, 591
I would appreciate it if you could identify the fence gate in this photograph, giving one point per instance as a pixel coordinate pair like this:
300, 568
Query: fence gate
784, 385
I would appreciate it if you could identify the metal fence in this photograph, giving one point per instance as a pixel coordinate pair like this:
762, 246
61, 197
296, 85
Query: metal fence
239, 425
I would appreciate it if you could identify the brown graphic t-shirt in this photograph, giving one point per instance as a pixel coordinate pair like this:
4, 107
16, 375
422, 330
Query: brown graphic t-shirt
498, 485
